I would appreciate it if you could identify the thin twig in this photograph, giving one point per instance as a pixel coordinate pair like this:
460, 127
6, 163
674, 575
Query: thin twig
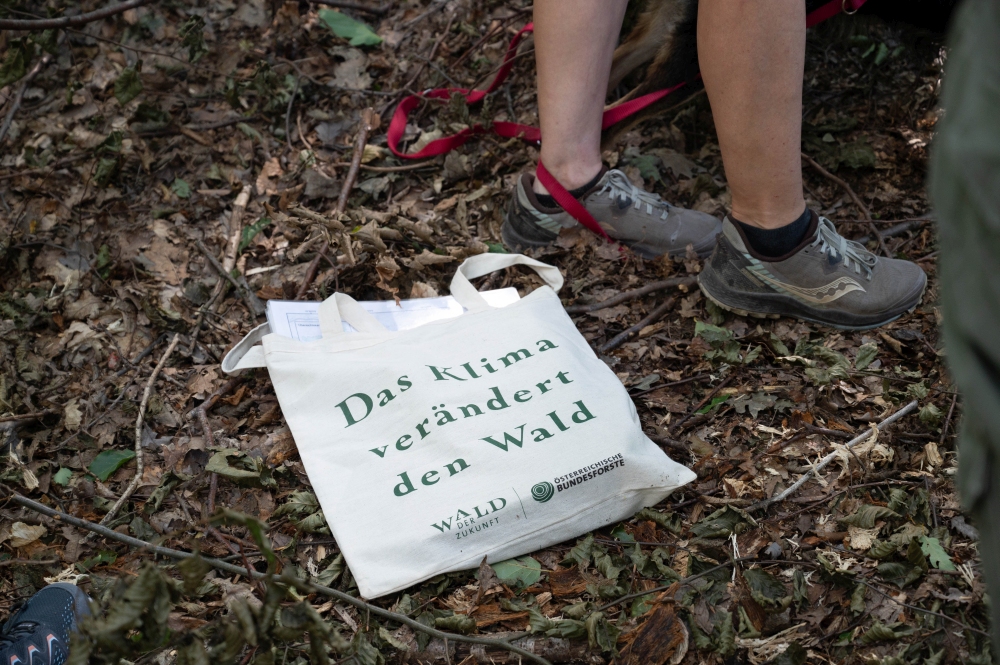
69, 21
200, 413
947, 421
302, 586
26, 416
687, 281
138, 432
393, 169
288, 115
859, 204
235, 233
625, 335
16, 104
715, 391
28, 562
374, 11
832, 456
367, 124
253, 303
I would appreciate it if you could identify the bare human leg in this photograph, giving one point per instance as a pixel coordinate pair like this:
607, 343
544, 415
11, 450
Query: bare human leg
574, 43
752, 57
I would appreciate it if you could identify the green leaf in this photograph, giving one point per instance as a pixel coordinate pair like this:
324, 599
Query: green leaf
605, 564
15, 62
642, 604
600, 633
329, 575
192, 36
930, 415
538, 622
62, 476
582, 551
723, 523
110, 461
769, 592
879, 632
669, 521
881, 54
778, 346
459, 623
858, 599
298, 503
865, 516
346, 27
714, 335
129, 84
866, 355
240, 468
193, 571
620, 534
524, 571
931, 547
716, 401
249, 232
181, 188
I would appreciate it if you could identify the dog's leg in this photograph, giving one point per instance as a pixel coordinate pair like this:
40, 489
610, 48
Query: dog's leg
652, 36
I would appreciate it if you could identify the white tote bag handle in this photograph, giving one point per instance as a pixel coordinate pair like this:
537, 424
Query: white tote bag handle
247, 354
339, 308
483, 264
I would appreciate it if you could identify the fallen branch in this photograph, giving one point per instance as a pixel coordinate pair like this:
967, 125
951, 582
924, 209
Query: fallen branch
625, 335
16, 104
368, 123
300, 585
858, 203
687, 281
253, 303
832, 456
70, 21
340, 4
138, 432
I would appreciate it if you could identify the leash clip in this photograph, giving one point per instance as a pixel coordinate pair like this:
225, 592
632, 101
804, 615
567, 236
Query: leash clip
849, 12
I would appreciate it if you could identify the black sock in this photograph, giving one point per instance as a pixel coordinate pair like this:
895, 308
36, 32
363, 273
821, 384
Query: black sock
548, 201
773, 243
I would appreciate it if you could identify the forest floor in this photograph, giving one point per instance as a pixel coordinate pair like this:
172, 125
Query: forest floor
237, 132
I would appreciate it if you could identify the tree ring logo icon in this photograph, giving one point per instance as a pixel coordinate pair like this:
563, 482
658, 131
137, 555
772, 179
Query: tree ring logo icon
542, 492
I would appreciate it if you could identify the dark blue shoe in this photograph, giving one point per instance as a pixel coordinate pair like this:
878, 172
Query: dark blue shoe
38, 633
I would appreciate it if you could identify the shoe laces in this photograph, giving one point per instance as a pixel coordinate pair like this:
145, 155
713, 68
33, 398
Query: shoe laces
18, 631
618, 187
835, 245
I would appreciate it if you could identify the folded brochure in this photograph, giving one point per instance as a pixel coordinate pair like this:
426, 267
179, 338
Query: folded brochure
300, 319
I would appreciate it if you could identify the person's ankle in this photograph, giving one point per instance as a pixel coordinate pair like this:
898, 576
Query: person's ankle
572, 176
780, 242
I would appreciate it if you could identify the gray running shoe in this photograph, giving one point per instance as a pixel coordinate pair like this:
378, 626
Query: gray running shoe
643, 221
827, 279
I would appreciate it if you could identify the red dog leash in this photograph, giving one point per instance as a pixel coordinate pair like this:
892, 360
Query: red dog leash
612, 116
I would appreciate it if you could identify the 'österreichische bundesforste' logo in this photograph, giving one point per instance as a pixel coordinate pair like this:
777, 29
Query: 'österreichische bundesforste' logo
542, 492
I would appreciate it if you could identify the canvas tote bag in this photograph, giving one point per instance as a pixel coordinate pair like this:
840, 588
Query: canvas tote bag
494, 434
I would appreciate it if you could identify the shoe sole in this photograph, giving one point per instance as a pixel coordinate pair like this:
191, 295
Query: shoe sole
514, 240
770, 315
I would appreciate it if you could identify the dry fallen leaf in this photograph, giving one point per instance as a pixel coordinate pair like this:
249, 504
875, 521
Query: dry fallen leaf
22, 534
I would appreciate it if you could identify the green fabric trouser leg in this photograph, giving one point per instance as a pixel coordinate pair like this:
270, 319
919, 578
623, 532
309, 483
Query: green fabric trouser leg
965, 187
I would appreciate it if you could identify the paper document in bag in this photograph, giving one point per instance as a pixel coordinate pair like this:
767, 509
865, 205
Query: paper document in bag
300, 320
